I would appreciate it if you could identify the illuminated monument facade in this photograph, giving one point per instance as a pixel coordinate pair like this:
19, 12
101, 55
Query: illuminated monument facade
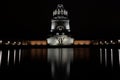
60, 28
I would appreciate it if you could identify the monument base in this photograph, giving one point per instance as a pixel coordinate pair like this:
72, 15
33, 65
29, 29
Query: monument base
60, 40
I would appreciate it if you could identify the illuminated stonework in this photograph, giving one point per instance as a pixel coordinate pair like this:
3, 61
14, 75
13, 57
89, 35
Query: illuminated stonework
60, 28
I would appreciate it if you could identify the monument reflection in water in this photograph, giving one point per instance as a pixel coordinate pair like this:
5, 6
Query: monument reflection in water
60, 59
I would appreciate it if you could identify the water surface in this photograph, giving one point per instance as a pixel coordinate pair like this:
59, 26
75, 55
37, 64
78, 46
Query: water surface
60, 63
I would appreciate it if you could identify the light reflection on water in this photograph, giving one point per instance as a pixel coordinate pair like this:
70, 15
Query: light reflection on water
111, 57
8, 57
0, 57
119, 56
105, 57
19, 55
60, 59
59, 62
101, 56
14, 55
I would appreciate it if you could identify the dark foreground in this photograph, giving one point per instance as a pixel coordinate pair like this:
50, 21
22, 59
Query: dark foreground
73, 63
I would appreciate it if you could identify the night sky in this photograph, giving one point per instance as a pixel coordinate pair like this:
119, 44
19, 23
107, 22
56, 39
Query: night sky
89, 19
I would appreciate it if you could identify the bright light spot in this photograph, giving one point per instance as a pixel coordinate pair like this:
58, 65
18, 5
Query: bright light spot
0, 41
8, 42
101, 42
118, 41
105, 41
111, 41
19, 43
14, 43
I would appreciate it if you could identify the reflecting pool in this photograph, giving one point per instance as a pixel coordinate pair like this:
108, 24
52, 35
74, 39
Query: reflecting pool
60, 63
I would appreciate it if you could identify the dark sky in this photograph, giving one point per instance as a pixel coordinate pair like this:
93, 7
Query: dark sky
89, 19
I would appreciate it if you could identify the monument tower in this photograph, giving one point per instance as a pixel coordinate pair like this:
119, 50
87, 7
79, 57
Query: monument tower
60, 28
